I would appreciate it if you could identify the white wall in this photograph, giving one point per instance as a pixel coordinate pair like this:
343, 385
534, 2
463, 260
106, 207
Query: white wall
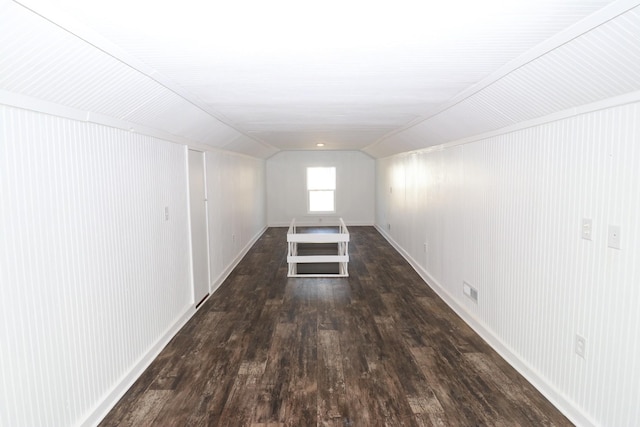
94, 280
504, 214
287, 193
236, 208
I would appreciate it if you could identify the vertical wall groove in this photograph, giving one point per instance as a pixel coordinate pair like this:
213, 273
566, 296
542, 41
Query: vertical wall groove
92, 274
519, 199
236, 207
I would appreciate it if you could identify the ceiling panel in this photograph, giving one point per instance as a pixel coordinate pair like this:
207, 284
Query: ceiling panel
378, 76
602, 63
45, 62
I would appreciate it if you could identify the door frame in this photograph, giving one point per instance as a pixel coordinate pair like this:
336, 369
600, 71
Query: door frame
200, 299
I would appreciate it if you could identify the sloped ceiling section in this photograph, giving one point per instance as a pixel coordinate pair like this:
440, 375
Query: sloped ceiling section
600, 64
40, 60
290, 74
257, 77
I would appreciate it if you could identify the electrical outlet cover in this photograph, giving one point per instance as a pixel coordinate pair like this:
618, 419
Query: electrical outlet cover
614, 236
580, 345
587, 228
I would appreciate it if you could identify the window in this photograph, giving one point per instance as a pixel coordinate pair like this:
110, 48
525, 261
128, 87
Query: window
321, 189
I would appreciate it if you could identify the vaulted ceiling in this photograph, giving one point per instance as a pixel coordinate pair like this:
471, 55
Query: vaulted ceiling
262, 76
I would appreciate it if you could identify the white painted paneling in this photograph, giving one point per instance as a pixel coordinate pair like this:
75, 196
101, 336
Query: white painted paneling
287, 191
599, 64
178, 116
348, 87
504, 214
244, 145
92, 274
236, 207
43, 61
94, 278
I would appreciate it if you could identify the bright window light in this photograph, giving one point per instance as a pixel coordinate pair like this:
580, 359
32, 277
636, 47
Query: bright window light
321, 201
321, 186
321, 178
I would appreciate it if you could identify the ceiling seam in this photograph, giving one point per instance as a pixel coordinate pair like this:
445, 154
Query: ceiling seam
501, 74
166, 85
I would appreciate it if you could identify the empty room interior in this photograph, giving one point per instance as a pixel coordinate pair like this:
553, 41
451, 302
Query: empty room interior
477, 163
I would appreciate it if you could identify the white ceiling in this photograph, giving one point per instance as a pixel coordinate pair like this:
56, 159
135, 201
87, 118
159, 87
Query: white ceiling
345, 73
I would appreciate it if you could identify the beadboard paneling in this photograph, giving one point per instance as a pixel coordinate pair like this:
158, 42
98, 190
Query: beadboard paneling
92, 275
43, 61
236, 208
504, 214
599, 64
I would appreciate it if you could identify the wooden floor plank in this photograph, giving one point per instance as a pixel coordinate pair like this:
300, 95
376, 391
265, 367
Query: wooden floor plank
378, 348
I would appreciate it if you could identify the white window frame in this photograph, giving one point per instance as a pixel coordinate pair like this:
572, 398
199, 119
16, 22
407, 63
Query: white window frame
328, 188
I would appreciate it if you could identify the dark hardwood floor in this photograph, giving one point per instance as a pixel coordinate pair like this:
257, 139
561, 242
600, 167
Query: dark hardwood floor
376, 349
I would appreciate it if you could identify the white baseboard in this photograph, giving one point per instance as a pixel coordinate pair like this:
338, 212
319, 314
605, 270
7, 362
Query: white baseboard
143, 363
557, 398
215, 284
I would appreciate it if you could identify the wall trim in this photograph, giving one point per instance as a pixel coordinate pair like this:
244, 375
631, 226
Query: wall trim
29, 103
580, 28
71, 25
113, 397
616, 101
24, 102
215, 284
558, 399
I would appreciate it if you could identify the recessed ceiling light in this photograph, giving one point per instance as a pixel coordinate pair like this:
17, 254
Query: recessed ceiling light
319, 144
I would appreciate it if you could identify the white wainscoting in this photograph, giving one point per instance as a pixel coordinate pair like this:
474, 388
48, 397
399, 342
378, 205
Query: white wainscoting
504, 214
92, 275
236, 209
95, 280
